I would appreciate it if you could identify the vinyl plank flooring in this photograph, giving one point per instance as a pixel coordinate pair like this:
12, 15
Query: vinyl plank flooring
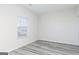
15, 53
24, 52
42, 47
42, 51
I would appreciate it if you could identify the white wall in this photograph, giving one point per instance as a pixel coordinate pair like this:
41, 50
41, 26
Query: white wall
61, 26
8, 27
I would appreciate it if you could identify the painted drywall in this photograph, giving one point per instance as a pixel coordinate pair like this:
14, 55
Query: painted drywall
8, 27
60, 26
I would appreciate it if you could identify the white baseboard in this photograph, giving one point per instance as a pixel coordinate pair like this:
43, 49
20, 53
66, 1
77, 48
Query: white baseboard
30, 41
59, 42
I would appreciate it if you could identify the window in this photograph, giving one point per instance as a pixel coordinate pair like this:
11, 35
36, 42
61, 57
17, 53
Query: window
22, 27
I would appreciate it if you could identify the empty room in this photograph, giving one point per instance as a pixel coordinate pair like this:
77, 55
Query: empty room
39, 29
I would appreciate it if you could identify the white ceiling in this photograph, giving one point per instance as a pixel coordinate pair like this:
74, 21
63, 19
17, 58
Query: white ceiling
43, 8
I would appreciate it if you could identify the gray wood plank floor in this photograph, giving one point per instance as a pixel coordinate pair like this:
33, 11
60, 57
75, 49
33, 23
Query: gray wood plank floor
41, 47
